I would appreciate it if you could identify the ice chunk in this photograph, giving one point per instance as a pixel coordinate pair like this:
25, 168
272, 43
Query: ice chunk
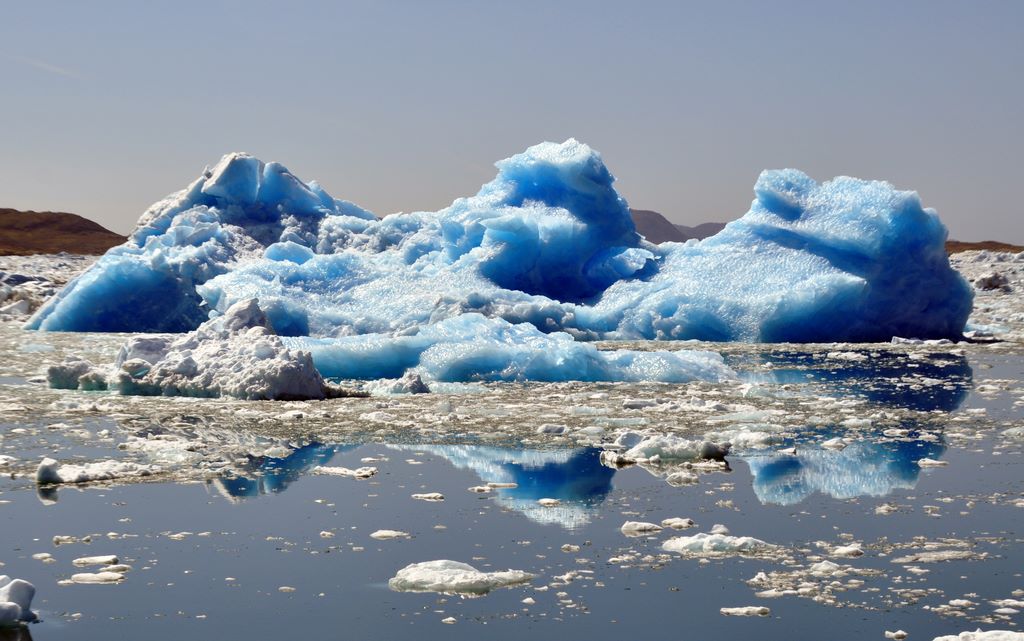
10, 614
639, 528
97, 578
229, 214
848, 550
678, 523
474, 347
452, 577
16, 601
715, 544
668, 447
235, 354
746, 611
67, 374
358, 473
988, 635
51, 472
385, 535
108, 559
429, 496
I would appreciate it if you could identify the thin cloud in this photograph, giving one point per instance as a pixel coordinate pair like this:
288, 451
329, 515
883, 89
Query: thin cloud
47, 67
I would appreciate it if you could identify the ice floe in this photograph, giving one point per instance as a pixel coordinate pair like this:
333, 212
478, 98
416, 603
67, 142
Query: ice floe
453, 577
988, 635
51, 472
715, 545
746, 611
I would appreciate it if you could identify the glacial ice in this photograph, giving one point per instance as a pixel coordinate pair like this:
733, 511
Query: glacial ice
16, 602
988, 635
452, 577
51, 472
474, 347
236, 354
715, 544
548, 246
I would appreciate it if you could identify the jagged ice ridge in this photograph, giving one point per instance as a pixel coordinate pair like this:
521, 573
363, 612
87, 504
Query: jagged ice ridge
483, 288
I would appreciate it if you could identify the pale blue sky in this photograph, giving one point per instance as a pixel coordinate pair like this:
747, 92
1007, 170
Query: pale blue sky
108, 106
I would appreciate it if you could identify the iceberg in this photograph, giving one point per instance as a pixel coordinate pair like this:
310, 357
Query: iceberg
546, 248
236, 355
472, 347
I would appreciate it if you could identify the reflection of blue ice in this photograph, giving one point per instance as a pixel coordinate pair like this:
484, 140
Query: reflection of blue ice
882, 378
574, 477
269, 475
862, 469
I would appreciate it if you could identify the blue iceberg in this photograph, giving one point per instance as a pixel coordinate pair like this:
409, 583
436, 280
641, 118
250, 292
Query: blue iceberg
471, 347
546, 248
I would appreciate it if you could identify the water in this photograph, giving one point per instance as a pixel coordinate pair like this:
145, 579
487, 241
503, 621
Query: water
238, 479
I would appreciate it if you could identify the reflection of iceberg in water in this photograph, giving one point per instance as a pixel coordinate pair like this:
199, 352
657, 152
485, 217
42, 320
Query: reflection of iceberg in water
941, 381
15, 634
574, 477
862, 469
269, 475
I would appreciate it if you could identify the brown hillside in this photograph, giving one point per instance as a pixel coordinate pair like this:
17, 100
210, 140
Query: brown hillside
47, 232
957, 246
655, 227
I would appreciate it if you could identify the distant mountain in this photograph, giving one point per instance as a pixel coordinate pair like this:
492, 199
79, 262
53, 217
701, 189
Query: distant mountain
657, 229
702, 230
47, 232
957, 246
24, 233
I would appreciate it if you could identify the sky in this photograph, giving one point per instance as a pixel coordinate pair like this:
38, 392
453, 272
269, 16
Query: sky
106, 107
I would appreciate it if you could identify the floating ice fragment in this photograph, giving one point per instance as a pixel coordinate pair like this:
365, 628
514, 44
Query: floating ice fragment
677, 523
639, 528
746, 611
927, 462
385, 535
16, 602
108, 559
51, 472
938, 556
665, 447
836, 443
429, 496
989, 635
358, 473
452, 577
88, 578
715, 544
236, 354
549, 428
